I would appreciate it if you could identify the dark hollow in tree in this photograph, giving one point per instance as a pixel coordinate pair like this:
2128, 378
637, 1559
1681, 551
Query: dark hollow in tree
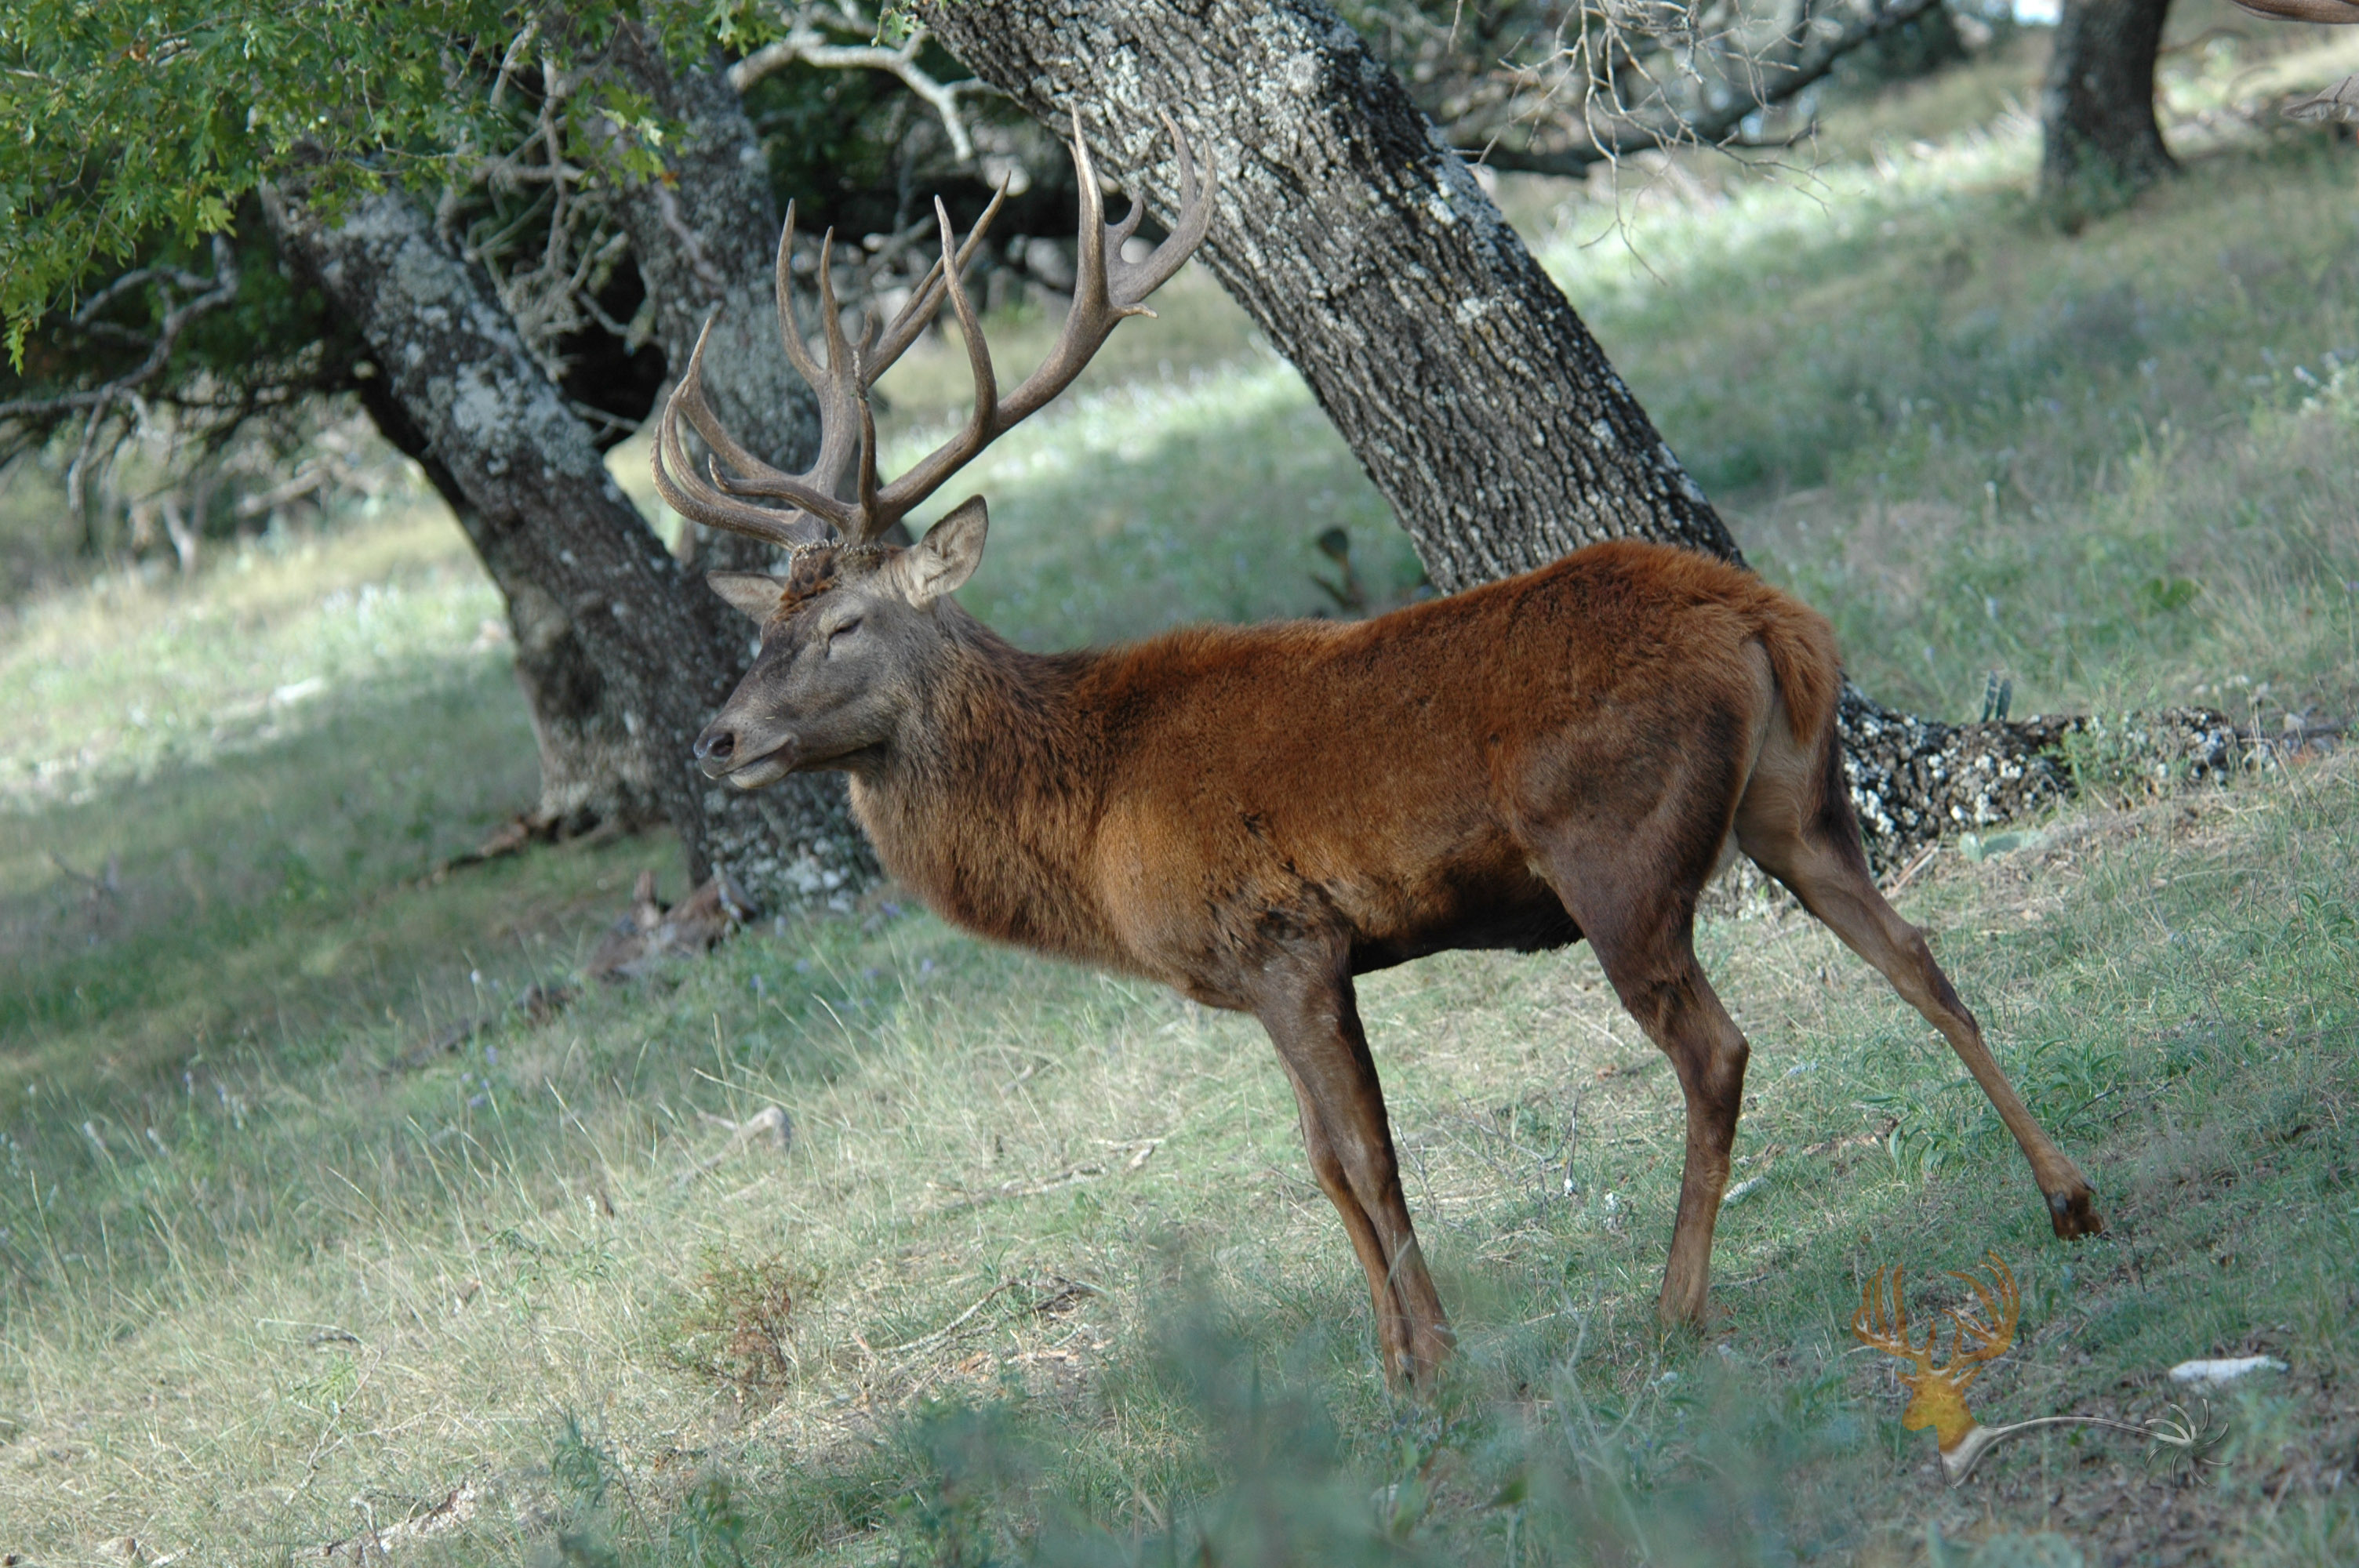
1255, 815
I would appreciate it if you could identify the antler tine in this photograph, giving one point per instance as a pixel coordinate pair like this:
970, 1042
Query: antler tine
1095, 312
832, 385
1990, 1340
1899, 1340
883, 510
674, 472
927, 300
848, 426
868, 518
1869, 1322
836, 388
770, 482
789, 337
1135, 281
844, 391
690, 396
1088, 241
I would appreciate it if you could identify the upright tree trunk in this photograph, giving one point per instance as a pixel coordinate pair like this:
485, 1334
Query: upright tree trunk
559, 539
2100, 142
705, 237
1449, 360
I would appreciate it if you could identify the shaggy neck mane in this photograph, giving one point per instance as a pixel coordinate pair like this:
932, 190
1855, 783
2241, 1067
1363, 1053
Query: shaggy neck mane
984, 803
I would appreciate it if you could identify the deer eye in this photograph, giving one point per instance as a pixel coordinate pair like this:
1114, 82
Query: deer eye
838, 634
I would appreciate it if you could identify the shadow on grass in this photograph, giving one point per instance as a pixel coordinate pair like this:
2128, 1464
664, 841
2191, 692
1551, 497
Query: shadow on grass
1268, 1458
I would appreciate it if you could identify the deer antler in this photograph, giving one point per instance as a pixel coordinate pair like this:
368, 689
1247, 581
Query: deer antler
2328, 12
1890, 1333
1105, 290
1990, 1338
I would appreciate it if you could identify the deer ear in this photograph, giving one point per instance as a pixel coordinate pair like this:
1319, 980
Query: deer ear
752, 592
943, 561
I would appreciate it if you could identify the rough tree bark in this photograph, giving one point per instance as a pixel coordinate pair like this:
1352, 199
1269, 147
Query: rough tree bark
556, 533
1364, 248
705, 238
2100, 142
592, 769
1447, 359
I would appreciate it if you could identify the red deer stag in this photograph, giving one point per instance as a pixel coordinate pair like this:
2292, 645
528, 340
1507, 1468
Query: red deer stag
1254, 816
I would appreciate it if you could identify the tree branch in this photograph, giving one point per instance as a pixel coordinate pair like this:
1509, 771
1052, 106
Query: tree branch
1717, 128
806, 45
96, 402
220, 290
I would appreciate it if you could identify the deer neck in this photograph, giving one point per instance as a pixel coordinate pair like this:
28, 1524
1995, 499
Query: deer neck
983, 803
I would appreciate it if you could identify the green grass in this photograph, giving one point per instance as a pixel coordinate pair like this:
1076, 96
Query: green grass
2117, 468
1042, 1275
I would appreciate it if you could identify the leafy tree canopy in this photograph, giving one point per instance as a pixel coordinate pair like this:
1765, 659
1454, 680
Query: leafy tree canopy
134, 120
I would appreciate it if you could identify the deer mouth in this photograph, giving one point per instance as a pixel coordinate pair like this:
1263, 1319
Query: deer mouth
766, 769
721, 754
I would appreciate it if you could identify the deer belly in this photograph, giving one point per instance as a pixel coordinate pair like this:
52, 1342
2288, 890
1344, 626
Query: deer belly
1517, 913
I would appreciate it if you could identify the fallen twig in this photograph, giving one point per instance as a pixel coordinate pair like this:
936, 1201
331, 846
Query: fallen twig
1915, 865
771, 1122
452, 1511
927, 1341
537, 1002
1071, 1176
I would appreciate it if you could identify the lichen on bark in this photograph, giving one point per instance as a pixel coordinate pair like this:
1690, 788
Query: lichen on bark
585, 575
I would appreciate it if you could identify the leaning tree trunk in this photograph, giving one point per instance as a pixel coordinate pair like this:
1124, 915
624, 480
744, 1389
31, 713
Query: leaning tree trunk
554, 530
1363, 247
2101, 144
1463, 379
594, 772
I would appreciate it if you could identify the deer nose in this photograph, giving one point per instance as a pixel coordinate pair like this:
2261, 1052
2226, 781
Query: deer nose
716, 749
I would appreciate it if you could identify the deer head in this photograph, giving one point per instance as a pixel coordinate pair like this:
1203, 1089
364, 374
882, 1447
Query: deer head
851, 624
1938, 1393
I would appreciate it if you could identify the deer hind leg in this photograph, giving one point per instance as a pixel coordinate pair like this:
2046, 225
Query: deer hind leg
1313, 1019
1649, 957
1796, 823
1629, 879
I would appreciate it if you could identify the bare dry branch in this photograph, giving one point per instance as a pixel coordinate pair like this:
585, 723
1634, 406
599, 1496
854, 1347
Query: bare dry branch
805, 44
96, 404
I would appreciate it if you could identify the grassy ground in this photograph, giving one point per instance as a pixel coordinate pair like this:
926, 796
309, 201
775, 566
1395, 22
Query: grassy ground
1042, 1273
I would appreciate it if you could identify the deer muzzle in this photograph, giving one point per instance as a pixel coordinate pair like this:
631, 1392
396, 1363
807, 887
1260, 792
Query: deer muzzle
748, 761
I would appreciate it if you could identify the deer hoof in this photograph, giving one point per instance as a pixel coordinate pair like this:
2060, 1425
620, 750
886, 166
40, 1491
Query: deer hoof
2075, 1214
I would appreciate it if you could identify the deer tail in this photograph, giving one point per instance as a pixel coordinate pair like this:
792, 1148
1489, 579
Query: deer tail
1802, 657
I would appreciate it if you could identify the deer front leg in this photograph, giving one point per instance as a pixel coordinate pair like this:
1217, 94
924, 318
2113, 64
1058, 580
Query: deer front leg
1314, 1020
